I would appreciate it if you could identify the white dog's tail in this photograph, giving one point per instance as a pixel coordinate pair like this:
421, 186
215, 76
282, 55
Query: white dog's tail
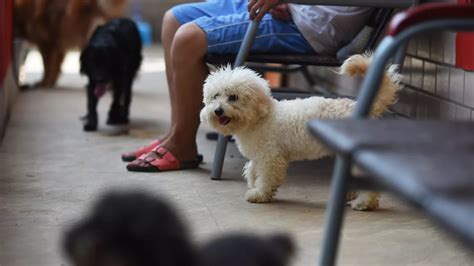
357, 65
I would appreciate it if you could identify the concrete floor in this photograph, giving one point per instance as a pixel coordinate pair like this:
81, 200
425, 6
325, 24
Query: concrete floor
51, 171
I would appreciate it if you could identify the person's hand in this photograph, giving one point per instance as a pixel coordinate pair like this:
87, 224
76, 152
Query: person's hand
258, 8
281, 12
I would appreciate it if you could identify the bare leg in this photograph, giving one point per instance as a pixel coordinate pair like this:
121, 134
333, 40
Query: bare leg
188, 73
52, 61
168, 31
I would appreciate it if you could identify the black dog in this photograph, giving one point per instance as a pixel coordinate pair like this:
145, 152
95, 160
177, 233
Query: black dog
111, 58
247, 249
137, 229
130, 229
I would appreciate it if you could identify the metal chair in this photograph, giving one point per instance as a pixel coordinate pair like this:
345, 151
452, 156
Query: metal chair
416, 166
381, 17
289, 63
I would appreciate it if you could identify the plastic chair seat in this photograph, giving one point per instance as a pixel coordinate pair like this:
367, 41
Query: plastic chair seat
439, 180
346, 135
428, 163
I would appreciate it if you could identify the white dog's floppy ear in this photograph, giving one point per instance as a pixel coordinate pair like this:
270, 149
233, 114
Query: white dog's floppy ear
262, 94
263, 103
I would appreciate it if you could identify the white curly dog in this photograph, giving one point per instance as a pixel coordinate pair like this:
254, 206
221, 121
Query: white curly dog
273, 133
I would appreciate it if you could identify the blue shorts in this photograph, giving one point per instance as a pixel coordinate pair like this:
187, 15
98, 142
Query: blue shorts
225, 23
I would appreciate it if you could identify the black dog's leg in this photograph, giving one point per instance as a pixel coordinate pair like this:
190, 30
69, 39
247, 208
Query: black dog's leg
115, 117
91, 119
127, 98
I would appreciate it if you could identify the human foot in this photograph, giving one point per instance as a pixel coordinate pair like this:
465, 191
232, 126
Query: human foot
131, 156
161, 159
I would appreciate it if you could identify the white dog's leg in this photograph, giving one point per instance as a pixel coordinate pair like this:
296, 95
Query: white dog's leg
362, 200
250, 173
351, 195
365, 201
270, 175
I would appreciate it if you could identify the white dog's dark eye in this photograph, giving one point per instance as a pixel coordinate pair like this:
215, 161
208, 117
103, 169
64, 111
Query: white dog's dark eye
233, 98
215, 96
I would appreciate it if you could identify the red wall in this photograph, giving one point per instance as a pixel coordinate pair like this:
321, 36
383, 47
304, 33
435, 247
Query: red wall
5, 36
465, 46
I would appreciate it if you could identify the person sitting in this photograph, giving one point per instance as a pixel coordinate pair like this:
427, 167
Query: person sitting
191, 31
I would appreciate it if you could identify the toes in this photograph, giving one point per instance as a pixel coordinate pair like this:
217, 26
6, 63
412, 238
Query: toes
139, 163
144, 164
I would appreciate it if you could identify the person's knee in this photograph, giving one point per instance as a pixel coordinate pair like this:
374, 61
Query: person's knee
190, 39
169, 19
169, 24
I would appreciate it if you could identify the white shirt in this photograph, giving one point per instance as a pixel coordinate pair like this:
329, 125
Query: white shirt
327, 28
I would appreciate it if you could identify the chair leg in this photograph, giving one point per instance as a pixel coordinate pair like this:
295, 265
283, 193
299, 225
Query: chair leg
335, 211
219, 156
244, 49
307, 76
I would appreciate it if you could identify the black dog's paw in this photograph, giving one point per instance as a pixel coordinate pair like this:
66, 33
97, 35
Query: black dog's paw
248, 249
90, 127
90, 122
117, 119
32, 86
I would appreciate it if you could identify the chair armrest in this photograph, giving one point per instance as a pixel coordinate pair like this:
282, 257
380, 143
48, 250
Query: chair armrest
429, 12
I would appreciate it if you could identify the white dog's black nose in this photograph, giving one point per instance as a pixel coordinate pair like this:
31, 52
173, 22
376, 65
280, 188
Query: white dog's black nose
219, 111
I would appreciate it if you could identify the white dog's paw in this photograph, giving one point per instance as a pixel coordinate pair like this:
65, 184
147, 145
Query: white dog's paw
351, 195
365, 201
255, 195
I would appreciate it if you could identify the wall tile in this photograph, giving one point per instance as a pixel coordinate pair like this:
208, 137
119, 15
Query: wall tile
447, 111
429, 77
412, 46
437, 91
462, 113
437, 46
423, 49
469, 89
417, 73
406, 104
442, 81
427, 107
406, 70
449, 54
456, 84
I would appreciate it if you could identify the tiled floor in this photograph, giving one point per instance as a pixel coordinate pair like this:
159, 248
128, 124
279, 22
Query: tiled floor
50, 172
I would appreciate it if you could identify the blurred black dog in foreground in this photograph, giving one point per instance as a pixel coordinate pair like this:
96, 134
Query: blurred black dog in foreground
137, 229
130, 229
111, 58
238, 249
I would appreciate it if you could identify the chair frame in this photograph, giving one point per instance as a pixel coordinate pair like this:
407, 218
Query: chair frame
219, 155
424, 19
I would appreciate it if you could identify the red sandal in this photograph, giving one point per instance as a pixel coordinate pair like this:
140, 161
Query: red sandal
131, 156
160, 159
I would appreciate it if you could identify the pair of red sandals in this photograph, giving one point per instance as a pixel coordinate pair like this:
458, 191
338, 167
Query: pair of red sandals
156, 158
